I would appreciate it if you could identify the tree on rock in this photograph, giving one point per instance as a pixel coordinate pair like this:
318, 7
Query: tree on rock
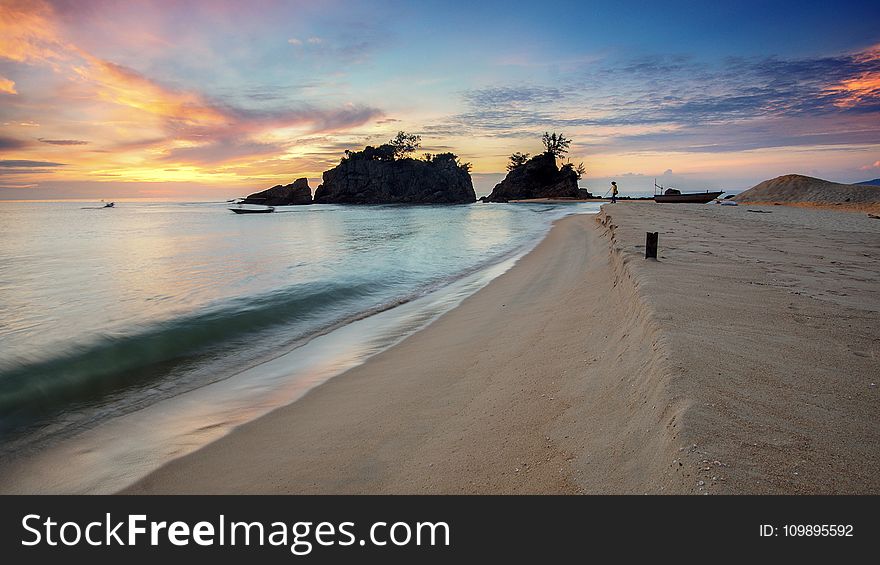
580, 170
375, 175
555, 144
517, 160
404, 144
540, 176
441, 158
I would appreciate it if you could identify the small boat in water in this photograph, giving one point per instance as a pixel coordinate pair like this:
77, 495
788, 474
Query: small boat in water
101, 207
266, 210
673, 196
247, 208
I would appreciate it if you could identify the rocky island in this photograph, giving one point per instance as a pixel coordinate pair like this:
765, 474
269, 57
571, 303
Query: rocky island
540, 176
292, 194
381, 175
387, 175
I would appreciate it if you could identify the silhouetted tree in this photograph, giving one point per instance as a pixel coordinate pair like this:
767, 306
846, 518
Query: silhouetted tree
404, 144
555, 144
399, 147
580, 170
384, 152
441, 158
517, 160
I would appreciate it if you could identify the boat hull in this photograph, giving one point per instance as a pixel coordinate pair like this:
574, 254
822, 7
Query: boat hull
247, 211
693, 198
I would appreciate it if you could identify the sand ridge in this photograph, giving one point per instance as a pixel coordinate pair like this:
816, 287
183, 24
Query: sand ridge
771, 321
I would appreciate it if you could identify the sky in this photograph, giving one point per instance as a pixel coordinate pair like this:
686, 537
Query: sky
215, 99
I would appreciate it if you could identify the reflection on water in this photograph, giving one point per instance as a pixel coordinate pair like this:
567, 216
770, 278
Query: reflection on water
150, 333
107, 458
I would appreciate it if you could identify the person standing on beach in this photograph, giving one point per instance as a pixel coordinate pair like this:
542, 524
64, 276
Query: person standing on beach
613, 192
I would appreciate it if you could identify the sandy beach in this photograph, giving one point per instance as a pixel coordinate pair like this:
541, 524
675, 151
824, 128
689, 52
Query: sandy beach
745, 360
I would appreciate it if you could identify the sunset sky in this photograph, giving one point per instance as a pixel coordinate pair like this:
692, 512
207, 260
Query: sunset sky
112, 99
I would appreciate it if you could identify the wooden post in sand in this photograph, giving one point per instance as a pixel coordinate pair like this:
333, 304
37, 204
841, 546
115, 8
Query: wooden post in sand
651, 245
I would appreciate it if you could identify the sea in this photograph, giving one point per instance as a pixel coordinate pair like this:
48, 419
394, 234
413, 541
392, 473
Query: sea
136, 334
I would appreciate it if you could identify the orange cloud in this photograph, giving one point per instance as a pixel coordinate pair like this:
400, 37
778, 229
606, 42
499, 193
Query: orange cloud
144, 121
7, 86
28, 33
126, 87
855, 91
199, 130
865, 87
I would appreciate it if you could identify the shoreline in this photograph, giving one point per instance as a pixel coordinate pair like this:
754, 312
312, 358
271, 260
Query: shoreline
120, 450
586, 369
486, 399
183, 423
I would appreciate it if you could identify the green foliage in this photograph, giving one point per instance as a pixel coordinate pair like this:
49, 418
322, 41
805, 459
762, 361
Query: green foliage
517, 160
404, 144
555, 144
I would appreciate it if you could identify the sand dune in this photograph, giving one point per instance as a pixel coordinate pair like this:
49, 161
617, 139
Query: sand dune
808, 191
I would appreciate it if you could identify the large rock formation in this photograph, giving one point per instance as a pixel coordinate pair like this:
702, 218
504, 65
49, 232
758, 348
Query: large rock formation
539, 177
402, 181
287, 195
800, 189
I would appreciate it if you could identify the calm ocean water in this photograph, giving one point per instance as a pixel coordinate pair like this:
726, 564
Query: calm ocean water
104, 312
